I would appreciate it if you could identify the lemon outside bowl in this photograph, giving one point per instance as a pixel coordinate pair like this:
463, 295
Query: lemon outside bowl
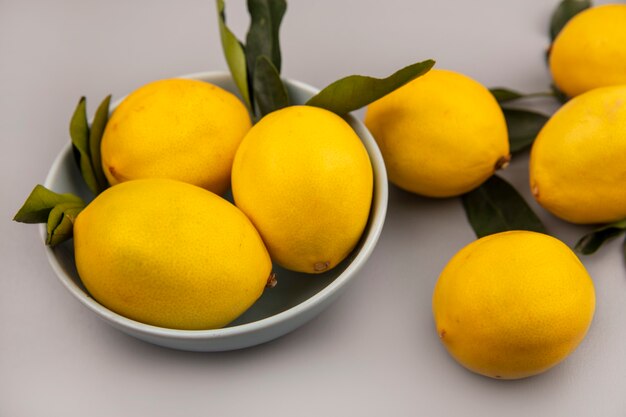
295, 300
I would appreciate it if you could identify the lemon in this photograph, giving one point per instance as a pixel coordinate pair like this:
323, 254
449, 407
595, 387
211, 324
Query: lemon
578, 161
589, 51
513, 304
305, 180
182, 129
169, 254
441, 135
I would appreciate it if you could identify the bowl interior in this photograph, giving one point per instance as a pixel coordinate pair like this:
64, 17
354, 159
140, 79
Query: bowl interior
293, 288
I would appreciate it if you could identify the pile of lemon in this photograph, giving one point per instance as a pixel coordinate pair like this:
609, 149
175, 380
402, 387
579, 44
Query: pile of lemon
162, 246
514, 304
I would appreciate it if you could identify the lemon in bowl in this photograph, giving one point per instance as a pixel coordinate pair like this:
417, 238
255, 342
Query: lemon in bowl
177, 128
170, 254
287, 175
294, 301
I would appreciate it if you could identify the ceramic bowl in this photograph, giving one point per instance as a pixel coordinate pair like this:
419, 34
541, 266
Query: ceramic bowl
295, 300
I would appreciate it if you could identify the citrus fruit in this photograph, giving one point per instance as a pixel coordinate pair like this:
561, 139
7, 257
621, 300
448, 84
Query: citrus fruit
170, 254
441, 135
589, 51
181, 129
578, 161
513, 304
304, 179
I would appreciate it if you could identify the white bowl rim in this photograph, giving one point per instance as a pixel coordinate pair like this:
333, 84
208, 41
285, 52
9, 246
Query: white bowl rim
376, 226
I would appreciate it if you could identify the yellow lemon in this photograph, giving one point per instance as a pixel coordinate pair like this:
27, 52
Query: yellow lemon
181, 129
589, 51
578, 161
304, 179
170, 254
513, 304
441, 135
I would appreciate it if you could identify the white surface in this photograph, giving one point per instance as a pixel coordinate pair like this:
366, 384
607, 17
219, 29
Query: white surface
374, 352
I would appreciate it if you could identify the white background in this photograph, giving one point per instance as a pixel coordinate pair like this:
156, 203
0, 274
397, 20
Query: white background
374, 352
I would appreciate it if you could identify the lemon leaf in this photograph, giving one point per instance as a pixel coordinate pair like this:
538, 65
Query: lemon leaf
79, 132
592, 241
558, 94
79, 128
57, 210
356, 91
503, 95
234, 52
262, 38
269, 92
95, 137
496, 207
564, 12
60, 225
40, 203
86, 143
263, 54
523, 127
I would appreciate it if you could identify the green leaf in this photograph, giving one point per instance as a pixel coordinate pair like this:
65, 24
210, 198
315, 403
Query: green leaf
79, 127
57, 210
262, 38
523, 127
591, 242
356, 91
496, 207
269, 92
263, 41
60, 225
79, 132
564, 12
558, 94
40, 203
234, 53
95, 137
503, 95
